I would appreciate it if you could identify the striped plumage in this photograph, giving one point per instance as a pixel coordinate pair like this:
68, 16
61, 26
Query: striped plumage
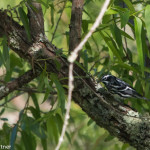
117, 86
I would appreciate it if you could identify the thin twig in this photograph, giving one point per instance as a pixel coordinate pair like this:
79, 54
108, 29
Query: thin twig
70, 84
71, 59
58, 21
11, 99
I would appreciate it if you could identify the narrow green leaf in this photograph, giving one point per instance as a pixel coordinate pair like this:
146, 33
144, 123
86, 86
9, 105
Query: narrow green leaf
52, 129
111, 12
52, 14
85, 25
2, 62
111, 46
28, 140
48, 86
25, 22
41, 81
60, 91
130, 5
117, 36
109, 138
84, 56
43, 3
147, 21
44, 143
124, 16
4, 119
2, 111
128, 67
59, 122
13, 136
126, 35
68, 137
35, 101
138, 29
90, 122
88, 47
34, 112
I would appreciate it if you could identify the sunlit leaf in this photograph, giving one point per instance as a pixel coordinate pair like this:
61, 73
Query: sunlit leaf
147, 21
138, 30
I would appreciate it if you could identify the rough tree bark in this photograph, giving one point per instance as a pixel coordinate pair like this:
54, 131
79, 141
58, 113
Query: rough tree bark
119, 119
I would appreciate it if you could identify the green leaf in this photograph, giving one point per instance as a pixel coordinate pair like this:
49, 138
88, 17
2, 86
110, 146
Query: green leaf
44, 143
88, 47
43, 3
48, 86
85, 25
117, 36
52, 14
124, 16
128, 67
13, 136
52, 129
34, 112
110, 12
125, 146
126, 35
138, 29
41, 83
35, 101
84, 56
130, 5
147, 20
109, 138
28, 140
4, 119
25, 22
2, 111
60, 91
90, 122
59, 121
109, 42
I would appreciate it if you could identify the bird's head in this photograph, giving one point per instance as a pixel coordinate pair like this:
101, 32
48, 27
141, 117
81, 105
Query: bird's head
107, 79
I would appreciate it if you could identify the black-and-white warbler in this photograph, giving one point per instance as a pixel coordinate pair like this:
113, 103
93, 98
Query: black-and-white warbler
119, 87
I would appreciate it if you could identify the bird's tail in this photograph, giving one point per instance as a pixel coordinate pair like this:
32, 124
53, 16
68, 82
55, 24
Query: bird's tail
145, 98
141, 97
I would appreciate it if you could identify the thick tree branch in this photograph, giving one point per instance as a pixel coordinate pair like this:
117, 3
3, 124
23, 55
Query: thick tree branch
17, 83
120, 120
36, 19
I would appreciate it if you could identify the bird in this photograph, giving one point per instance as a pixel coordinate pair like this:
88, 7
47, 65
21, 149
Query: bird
117, 86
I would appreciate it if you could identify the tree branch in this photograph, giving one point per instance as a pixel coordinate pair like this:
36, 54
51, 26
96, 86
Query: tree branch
36, 19
75, 24
17, 83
